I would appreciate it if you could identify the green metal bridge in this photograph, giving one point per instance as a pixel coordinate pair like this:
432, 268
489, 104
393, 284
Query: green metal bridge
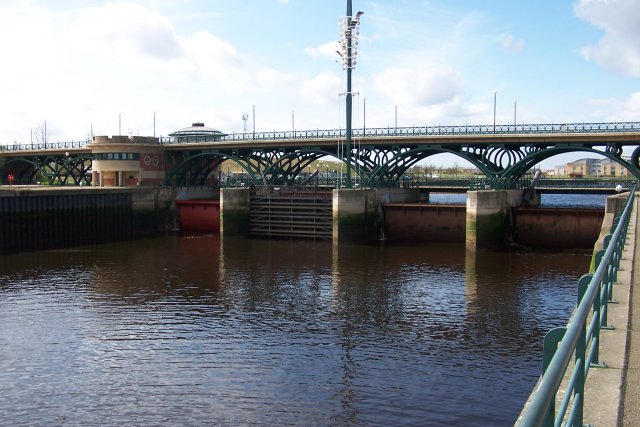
380, 157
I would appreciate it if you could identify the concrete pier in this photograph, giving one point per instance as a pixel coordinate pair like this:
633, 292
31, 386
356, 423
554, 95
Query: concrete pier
234, 212
488, 218
357, 216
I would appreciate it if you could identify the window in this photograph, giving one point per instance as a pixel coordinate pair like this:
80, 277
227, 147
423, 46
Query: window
116, 156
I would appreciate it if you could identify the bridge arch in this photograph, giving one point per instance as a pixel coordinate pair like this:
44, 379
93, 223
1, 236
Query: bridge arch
51, 168
613, 153
263, 166
192, 169
503, 166
22, 168
386, 167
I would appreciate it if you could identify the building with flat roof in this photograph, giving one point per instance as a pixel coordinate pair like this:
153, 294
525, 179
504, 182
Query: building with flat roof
593, 168
130, 161
126, 161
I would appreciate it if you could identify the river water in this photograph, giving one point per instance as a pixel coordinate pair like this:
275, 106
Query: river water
546, 200
195, 330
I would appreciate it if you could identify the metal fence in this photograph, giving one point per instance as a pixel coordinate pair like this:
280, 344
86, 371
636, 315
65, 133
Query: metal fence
580, 339
522, 129
439, 130
44, 146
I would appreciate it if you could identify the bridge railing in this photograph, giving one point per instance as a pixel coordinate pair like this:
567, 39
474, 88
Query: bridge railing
521, 129
580, 339
481, 183
626, 183
45, 146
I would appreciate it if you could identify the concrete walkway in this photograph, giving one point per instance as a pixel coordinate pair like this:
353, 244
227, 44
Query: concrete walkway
629, 413
612, 393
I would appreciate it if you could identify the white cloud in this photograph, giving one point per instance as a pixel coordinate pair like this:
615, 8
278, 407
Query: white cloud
323, 89
328, 50
613, 109
208, 56
418, 86
511, 44
130, 26
88, 65
619, 47
272, 76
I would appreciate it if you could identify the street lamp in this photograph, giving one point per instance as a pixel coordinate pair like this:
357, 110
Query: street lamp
396, 122
364, 116
349, 32
495, 95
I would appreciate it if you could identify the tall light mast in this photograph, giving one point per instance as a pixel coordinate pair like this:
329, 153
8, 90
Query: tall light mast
245, 117
349, 50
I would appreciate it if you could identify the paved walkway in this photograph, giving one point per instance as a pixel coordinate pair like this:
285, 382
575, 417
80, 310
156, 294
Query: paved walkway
612, 393
630, 408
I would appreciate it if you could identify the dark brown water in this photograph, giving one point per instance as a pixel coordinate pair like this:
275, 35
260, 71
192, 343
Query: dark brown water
195, 331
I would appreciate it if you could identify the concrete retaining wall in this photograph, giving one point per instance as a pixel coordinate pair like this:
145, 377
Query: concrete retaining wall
35, 218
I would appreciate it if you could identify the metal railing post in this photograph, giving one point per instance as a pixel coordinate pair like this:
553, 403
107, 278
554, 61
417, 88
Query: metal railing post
578, 341
549, 348
580, 358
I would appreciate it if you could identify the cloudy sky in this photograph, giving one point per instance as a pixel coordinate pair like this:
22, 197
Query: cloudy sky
82, 65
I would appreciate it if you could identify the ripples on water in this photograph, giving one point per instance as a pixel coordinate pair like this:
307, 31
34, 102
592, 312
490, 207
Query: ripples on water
192, 330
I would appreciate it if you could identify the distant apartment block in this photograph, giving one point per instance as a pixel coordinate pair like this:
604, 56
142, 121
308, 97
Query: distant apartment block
592, 168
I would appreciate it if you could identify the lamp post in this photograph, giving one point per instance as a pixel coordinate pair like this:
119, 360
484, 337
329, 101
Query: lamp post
495, 94
349, 50
364, 116
396, 122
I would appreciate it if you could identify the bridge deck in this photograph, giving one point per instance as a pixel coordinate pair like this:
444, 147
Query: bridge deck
620, 134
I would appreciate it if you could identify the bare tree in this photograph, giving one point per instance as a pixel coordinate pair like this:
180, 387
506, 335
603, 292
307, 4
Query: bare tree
40, 134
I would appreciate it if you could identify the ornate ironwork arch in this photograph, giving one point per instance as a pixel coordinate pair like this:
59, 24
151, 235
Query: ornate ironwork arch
504, 166
53, 169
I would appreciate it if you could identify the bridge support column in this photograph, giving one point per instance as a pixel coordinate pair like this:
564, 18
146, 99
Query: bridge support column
234, 212
489, 218
357, 216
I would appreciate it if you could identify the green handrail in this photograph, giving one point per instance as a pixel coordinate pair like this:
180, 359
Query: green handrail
594, 292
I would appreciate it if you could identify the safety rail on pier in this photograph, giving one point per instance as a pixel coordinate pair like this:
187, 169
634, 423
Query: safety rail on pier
580, 339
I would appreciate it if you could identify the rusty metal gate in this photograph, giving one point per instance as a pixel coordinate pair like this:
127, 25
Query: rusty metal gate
292, 214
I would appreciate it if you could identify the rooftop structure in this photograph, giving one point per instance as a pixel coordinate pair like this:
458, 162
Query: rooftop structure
197, 132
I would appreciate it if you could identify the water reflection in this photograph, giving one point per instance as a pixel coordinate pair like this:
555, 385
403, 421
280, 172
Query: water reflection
194, 329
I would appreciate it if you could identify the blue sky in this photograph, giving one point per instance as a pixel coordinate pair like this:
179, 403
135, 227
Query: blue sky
83, 64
